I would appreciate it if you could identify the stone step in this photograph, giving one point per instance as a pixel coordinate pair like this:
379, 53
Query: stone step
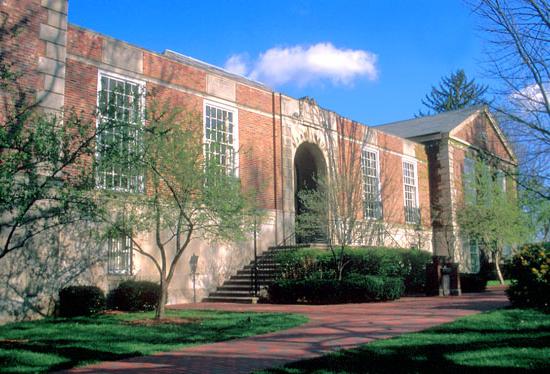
239, 300
229, 293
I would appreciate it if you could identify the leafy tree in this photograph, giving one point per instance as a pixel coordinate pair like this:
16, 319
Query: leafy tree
186, 196
537, 209
454, 92
44, 180
491, 215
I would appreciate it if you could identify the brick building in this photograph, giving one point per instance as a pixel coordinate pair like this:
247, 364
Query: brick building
412, 169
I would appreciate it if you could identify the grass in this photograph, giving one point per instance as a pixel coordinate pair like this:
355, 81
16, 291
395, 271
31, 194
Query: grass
507, 282
511, 340
59, 343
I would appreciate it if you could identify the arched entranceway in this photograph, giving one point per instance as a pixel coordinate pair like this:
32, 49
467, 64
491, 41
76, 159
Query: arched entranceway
309, 165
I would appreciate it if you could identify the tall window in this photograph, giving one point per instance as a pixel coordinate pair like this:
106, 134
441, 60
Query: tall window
220, 140
410, 182
120, 256
120, 117
371, 191
469, 180
474, 256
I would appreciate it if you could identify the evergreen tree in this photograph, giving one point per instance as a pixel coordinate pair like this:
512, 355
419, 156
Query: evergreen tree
454, 92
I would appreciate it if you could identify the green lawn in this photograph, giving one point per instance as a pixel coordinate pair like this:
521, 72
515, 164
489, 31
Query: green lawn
501, 341
58, 343
507, 282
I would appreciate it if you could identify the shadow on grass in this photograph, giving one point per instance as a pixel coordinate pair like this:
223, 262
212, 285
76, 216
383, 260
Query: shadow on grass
56, 344
518, 341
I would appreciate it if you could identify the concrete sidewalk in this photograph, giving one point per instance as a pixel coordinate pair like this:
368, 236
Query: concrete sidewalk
331, 327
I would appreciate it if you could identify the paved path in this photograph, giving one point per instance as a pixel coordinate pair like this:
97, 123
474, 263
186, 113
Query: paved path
331, 327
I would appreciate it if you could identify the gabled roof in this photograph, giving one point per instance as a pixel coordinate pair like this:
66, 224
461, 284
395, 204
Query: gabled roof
439, 123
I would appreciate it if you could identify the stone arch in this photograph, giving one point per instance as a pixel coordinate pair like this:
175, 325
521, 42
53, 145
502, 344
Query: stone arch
309, 164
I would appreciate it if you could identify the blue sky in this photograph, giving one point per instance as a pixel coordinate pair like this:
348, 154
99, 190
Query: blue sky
372, 61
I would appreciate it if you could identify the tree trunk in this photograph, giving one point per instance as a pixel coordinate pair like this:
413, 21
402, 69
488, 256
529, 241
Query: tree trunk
161, 305
497, 268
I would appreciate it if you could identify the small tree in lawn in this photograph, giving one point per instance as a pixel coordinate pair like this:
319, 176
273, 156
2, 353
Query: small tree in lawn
491, 215
186, 195
454, 92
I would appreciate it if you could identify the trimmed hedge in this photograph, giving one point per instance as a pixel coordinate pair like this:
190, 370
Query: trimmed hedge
77, 301
354, 289
133, 296
531, 273
473, 282
406, 264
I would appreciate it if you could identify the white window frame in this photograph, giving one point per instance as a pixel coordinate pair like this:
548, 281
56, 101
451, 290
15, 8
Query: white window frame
414, 163
127, 250
142, 86
229, 108
379, 186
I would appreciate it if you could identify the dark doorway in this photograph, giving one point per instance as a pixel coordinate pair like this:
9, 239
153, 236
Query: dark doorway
309, 164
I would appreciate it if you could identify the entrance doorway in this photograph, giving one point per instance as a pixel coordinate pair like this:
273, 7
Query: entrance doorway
309, 165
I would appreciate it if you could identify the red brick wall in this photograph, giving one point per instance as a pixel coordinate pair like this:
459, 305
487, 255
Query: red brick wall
84, 43
254, 98
173, 72
259, 135
472, 133
23, 50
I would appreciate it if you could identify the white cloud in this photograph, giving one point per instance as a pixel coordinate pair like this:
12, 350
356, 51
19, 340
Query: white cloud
302, 65
236, 64
531, 97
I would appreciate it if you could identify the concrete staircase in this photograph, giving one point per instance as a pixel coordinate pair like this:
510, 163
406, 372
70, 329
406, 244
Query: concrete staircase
239, 288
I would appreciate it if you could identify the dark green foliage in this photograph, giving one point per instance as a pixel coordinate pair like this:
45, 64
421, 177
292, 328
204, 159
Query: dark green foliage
77, 301
473, 282
134, 296
454, 92
531, 273
354, 289
406, 264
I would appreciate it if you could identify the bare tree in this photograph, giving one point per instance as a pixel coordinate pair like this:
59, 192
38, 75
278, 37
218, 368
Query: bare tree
518, 35
346, 206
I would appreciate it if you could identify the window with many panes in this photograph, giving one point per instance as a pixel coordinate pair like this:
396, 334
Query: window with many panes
469, 180
410, 183
372, 207
119, 126
119, 256
220, 126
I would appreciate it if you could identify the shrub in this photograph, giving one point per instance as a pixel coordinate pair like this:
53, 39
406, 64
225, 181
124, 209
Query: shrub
409, 265
530, 271
330, 291
132, 296
473, 282
81, 301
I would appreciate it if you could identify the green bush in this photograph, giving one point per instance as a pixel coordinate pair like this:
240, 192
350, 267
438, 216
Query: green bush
473, 282
530, 272
329, 291
132, 296
407, 264
77, 301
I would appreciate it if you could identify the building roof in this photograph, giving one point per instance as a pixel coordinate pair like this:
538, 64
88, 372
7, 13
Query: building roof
439, 123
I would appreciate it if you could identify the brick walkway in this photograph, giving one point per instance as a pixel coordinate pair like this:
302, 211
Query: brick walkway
331, 327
